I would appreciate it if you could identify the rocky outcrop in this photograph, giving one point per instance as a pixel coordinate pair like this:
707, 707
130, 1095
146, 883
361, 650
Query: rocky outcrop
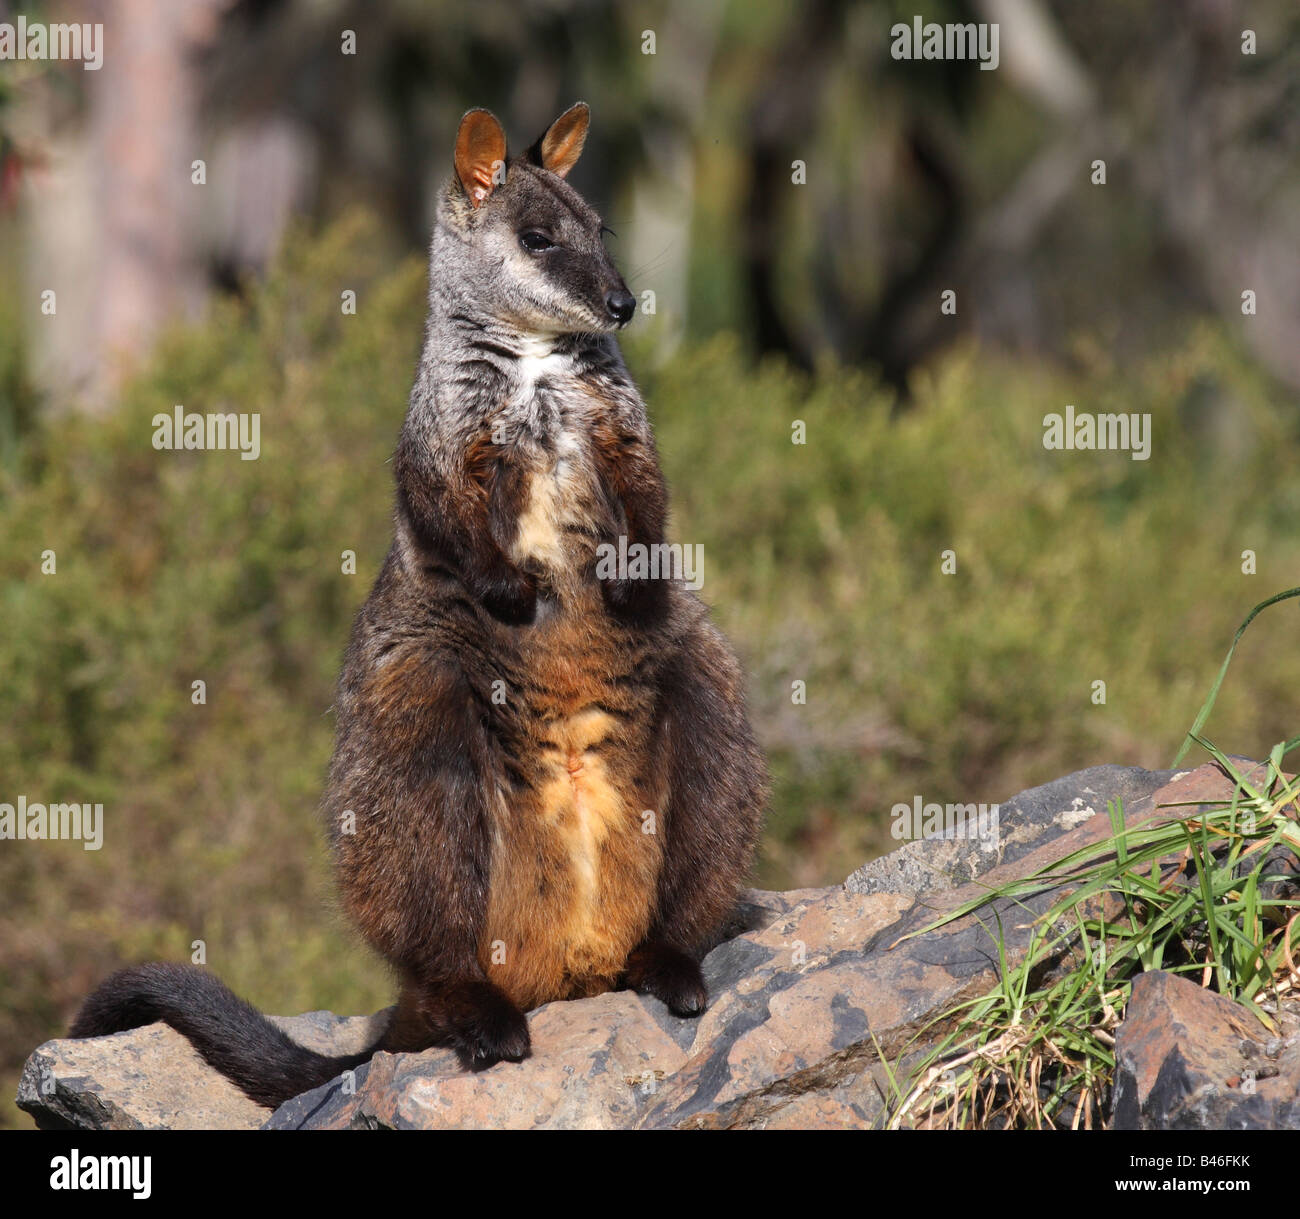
1032, 819
1189, 1059
153, 1079
809, 989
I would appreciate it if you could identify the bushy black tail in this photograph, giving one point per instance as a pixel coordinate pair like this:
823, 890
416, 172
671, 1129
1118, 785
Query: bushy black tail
232, 1036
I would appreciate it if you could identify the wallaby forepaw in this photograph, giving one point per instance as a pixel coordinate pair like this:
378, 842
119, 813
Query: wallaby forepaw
511, 597
641, 601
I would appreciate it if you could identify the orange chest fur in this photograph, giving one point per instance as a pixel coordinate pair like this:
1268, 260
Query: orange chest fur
576, 845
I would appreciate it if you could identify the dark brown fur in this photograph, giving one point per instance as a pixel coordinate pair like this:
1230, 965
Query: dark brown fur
554, 787
464, 822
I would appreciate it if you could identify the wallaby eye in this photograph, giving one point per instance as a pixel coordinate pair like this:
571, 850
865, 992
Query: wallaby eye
535, 242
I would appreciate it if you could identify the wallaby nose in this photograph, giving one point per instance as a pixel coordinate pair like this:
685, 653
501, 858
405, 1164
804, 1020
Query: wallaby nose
621, 305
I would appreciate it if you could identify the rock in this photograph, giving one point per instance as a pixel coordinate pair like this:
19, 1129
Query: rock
786, 1039
1190, 1059
1029, 820
153, 1079
594, 1064
147, 1079
809, 989
785, 1044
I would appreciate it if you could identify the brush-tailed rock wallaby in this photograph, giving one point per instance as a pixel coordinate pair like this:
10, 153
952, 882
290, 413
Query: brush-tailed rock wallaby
544, 784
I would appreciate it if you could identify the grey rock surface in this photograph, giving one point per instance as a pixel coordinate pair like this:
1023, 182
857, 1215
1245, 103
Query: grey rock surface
809, 989
1190, 1059
1031, 819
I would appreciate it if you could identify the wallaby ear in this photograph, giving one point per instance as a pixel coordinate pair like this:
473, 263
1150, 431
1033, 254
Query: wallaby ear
559, 149
480, 153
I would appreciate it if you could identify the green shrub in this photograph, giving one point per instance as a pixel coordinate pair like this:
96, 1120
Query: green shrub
822, 560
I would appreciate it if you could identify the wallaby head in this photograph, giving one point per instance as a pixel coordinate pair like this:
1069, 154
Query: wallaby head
525, 247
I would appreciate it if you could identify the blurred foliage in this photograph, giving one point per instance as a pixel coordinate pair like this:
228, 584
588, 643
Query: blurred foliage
822, 560
922, 175
19, 397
